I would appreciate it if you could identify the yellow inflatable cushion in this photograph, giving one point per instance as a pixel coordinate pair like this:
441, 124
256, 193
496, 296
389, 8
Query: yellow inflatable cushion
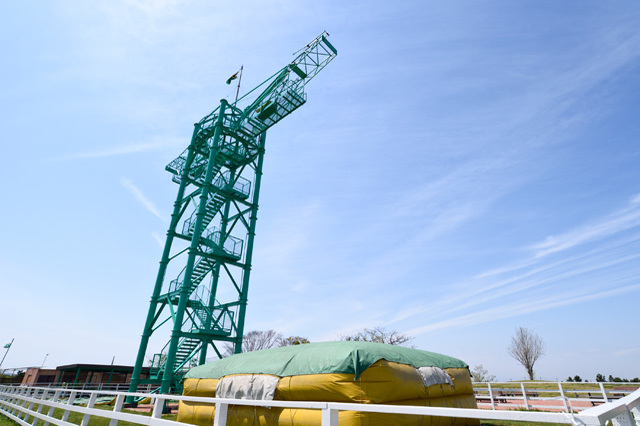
383, 383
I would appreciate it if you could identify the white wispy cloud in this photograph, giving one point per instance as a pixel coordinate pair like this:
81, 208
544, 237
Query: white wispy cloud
158, 239
122, 150
627, 218
142, 199
588, 263
627, 352
523, 307
534, 272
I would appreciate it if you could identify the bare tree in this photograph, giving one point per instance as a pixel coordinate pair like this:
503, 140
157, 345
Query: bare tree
526, 348
378, 335
293, 341
258, 339
480, 375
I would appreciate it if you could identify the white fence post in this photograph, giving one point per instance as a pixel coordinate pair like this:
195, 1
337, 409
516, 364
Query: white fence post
493, 404
86, 417
116, 409
25, 392
220, 418
56, 397
15, 399
72, 397
158, 407
11, 396
564, 399
330, 416
5, 400
524, 396
34, 395
43, 397
604, 394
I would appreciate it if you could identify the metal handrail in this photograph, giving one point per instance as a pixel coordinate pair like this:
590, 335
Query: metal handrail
231, 245
241, 185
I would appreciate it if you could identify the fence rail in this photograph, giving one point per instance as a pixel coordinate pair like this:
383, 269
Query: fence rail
26, 406
115, 387
564, 396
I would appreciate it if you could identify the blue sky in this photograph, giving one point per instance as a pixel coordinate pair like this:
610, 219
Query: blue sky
460, 170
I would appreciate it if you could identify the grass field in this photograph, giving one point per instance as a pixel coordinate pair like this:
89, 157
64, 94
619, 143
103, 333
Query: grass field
5, 421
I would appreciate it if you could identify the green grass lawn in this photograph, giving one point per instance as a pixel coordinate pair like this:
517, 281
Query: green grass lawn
5, 421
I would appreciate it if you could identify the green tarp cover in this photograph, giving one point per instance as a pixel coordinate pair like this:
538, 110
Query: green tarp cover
320, 358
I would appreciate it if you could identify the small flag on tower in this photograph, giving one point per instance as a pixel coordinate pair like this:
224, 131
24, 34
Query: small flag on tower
7, 346
233, 77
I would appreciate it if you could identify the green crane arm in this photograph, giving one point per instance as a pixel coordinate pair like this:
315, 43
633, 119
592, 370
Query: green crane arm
282, 93
310, 61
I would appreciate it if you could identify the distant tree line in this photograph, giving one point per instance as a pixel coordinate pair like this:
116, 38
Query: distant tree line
602, 378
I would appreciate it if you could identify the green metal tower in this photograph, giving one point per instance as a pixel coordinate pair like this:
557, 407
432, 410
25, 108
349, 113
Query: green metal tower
203, 280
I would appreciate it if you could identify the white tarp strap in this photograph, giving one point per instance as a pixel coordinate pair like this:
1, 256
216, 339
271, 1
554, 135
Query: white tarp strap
434, 376
248, 386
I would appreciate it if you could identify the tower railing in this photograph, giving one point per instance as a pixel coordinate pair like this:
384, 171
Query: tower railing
241, 187
215, 240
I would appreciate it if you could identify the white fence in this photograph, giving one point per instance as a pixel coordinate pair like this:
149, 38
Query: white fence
548, 396
26, 406
115, 387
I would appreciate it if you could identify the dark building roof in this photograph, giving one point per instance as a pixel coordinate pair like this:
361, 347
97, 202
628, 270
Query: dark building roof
100, 367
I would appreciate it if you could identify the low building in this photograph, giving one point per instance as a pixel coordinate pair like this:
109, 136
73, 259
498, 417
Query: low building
89, 374
96, 373
37, 375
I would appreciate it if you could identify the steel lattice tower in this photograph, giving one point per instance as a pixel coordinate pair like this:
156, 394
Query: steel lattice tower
203, 279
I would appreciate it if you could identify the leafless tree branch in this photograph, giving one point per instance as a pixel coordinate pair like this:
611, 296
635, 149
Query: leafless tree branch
378, 335
526, 348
